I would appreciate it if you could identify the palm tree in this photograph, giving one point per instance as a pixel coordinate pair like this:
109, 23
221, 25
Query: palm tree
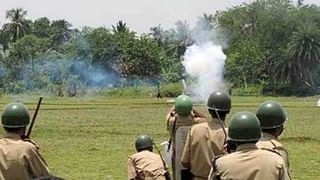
121, 27
180, 38
304, 54
157, 33
18, 25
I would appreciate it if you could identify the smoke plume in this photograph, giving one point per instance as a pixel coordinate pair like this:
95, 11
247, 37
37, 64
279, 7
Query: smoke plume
204, 63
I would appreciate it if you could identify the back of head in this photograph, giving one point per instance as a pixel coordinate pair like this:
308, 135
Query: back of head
143, 142
271, 115
219, 102
183, 105
244, 127
15, 115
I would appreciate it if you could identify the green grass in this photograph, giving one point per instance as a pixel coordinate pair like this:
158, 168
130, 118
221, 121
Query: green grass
91, 137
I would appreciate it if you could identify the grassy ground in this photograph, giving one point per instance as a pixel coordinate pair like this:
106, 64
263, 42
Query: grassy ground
91, 138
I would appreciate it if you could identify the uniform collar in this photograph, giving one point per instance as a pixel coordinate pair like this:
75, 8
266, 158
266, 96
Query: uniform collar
12, 136
247, 146
267, 136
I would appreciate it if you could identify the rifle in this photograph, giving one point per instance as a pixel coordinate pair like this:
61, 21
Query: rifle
172, 131
222, 126
34, 118
230, 145
167, 174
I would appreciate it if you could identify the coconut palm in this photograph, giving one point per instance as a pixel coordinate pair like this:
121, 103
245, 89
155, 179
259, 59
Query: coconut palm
179, 38
18, 25
120, 27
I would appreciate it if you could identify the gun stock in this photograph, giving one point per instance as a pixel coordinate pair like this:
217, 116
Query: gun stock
167, 175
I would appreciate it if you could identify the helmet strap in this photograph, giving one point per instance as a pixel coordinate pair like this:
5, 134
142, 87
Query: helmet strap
279, 131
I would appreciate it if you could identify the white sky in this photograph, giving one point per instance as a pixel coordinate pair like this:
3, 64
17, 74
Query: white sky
139, 15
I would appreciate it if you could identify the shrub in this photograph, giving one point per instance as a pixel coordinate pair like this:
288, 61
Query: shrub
255, 90
171, 89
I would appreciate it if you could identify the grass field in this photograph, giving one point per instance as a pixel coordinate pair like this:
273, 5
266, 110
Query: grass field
91, 138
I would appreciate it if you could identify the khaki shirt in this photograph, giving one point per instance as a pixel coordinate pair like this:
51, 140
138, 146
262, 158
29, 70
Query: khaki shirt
270, 142
181, 121
147, 163
251, 163
204, 142
20, 160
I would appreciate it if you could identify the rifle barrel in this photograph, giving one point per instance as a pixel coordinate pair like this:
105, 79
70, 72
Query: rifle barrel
34, 117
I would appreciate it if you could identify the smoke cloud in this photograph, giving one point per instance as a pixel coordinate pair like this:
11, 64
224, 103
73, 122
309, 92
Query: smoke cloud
204, 63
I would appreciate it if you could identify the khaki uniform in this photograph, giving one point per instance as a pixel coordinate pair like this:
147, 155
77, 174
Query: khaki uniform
175, 121
181, 121
20, 160
204, 142
250, 163
270, 142
147, 163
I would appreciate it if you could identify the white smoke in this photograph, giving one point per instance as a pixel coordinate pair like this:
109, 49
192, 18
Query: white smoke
204, 63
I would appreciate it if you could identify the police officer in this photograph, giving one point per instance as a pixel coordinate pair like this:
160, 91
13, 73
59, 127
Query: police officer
206, 140
248, 162
272, 118
145, 164
19, 158
182, 114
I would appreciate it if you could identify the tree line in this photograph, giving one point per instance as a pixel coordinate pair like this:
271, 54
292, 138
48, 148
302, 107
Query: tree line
273, 44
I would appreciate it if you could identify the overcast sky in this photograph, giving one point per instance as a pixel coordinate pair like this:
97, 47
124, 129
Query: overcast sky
139, 15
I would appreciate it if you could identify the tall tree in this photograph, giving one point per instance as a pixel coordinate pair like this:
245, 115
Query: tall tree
42, 27
304, 54
158, 34
4, 43
18, 25
60, 33
179, 38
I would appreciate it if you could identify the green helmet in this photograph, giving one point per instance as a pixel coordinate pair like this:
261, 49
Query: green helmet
244, 127
219, 101
15, 115
143, 142
271, 115
183, 105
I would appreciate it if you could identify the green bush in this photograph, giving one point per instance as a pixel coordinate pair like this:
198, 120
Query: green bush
171, 89
166, 90
287, 90
137, 91
255, 90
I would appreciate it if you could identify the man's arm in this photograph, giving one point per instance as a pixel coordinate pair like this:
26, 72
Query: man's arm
185, 158
36, 163
285, 174
131, 170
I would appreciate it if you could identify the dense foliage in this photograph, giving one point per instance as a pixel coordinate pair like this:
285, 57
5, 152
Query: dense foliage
271, 44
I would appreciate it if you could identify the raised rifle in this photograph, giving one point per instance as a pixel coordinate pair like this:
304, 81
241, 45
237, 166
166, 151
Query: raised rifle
34, 118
